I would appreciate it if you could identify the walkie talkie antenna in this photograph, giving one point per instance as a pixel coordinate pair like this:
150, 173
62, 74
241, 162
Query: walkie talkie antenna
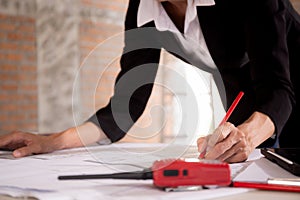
138, 175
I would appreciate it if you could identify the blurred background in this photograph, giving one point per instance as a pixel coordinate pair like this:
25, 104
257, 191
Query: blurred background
58, 63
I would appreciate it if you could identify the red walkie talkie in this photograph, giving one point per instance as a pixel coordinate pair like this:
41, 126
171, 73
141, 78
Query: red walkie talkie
173, 173
190, 172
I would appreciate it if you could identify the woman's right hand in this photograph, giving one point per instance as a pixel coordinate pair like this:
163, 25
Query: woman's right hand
25, 144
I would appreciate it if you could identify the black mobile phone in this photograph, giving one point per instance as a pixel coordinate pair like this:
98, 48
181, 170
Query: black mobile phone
287, 158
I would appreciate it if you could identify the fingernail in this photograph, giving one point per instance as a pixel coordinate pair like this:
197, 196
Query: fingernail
17, 154
202, 155
207, 154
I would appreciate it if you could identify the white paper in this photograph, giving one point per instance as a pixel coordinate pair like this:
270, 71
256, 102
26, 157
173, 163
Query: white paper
37, 175
261, 170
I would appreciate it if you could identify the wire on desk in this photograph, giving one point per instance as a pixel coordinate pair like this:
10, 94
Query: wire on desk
106, 163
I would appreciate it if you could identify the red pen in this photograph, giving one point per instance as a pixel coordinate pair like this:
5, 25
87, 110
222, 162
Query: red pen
213, 140
232, 107
267, 186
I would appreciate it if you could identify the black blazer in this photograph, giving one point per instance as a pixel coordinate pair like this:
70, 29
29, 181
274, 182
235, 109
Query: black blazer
255, 45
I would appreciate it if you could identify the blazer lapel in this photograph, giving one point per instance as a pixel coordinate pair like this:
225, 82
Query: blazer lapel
208, 21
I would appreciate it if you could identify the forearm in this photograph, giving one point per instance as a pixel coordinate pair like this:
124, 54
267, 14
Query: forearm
258, 128
83, 135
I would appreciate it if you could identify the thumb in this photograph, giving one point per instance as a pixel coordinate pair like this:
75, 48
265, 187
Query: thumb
23, 151
202, 145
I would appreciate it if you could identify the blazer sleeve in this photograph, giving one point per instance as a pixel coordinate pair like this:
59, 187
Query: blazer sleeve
266, 31
134, 82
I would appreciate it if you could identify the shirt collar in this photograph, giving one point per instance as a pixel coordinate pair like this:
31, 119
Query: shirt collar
149, 10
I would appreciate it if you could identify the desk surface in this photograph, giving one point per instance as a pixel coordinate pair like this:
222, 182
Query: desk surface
263, 195
257, 195
37, 175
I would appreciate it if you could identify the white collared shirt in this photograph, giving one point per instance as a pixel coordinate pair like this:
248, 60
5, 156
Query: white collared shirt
152, 10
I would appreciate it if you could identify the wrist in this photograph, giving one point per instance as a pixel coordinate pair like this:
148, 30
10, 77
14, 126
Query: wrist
83, 135
65, 139
258, 128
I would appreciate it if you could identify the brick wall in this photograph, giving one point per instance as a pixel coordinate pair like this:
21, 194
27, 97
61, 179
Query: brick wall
98, 58
18, 74
39, 60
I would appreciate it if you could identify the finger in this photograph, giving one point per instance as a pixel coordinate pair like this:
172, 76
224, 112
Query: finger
202, 145
202, 153
200, 140
235, 147
225, 148
234, 143
220, 133
240, 156
238, 153
7, 139
24, 151
217, 144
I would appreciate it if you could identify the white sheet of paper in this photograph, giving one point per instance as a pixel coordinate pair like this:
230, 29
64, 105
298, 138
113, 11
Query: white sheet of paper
261, 170
37, 175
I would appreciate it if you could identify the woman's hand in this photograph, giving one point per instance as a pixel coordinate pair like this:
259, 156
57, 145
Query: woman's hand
234, 144
25, 144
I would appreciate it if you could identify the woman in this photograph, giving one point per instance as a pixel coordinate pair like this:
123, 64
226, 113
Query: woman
254, 45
